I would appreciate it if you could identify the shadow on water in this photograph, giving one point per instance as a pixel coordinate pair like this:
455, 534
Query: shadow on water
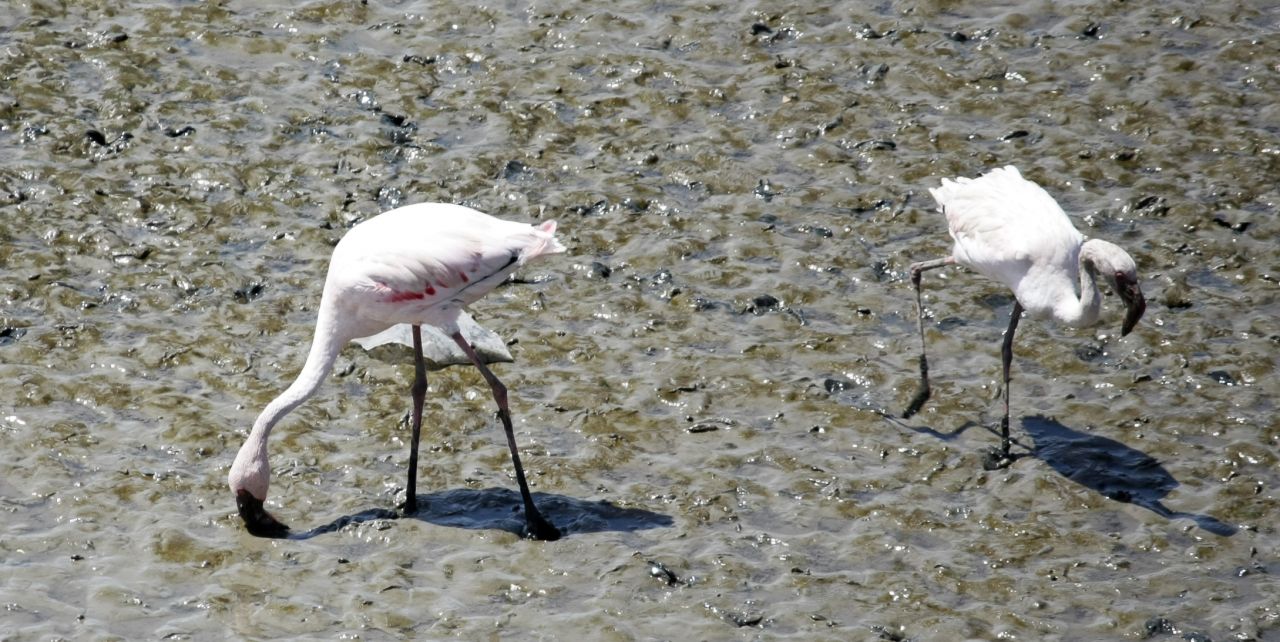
1104, 465
1111, 468
502, 509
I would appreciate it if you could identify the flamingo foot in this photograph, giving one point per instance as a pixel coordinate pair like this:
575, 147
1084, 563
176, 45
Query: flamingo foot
409, 506
997, 459
257, 520
917, 402
538, 528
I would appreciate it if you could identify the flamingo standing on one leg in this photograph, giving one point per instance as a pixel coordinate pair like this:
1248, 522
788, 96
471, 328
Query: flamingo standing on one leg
1009, 229
417, 265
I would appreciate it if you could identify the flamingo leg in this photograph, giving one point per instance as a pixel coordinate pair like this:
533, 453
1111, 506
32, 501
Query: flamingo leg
922, 395
419, 392
536, 527
1001, 458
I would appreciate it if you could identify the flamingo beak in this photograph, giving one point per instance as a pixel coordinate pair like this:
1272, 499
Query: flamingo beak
257, 520
1134, 303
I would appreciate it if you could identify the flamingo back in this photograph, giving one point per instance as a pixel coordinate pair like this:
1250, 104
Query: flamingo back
1010, 229
421, 264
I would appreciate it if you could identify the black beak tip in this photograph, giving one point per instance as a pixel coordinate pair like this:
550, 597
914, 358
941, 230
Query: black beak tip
1137, 306
257, 520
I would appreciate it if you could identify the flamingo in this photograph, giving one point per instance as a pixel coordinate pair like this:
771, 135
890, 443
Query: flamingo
417, 265
1010, 229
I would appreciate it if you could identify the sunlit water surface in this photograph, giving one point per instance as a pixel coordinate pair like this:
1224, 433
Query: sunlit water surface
704, 385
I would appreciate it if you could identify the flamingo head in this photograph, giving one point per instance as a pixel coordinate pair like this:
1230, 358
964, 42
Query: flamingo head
249, 479
257, 520
1121, 273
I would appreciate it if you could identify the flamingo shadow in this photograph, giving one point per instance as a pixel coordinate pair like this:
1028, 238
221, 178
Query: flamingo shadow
502, 509
1103, 465
1112, 469
953, 435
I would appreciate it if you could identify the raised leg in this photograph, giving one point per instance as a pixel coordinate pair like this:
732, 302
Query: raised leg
536, 527
419, 392
1001, 457
922, 395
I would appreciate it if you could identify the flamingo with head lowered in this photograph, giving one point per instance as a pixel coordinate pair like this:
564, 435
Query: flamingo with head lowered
420, 264
1009, 229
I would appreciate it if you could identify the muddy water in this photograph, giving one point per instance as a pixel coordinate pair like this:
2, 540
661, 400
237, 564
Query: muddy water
703, 385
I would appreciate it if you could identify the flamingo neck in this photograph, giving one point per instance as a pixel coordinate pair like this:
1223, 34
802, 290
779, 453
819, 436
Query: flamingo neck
251, 470
1083, 310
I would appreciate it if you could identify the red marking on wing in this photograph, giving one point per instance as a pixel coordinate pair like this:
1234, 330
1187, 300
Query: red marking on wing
463, 275
400, 297
430, 290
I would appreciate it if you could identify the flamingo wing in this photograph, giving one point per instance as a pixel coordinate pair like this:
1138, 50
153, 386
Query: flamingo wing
1010, 230
422, 263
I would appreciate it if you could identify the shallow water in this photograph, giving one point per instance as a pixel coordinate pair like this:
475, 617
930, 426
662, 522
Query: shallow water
701, 384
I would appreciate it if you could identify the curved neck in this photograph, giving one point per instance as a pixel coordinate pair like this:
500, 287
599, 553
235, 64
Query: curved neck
250, 470
1083, 311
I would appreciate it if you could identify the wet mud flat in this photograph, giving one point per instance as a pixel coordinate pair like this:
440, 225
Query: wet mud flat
706, 387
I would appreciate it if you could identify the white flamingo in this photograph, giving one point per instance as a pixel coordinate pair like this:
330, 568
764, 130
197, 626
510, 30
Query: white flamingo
1009, 229
416, 265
